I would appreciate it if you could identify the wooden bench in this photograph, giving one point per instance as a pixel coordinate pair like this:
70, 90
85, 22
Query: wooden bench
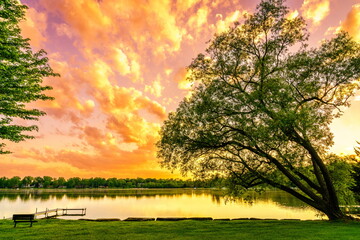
24, 218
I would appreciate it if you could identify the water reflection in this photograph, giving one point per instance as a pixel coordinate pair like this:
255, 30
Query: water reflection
46, 194
156, 203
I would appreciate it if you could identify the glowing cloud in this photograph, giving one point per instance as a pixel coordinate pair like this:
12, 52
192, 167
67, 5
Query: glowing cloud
155, 88
181, 77
352, 22
315, 10
224, 23
34, 27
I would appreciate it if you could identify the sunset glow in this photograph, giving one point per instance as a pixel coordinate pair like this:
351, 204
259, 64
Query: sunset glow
123, 69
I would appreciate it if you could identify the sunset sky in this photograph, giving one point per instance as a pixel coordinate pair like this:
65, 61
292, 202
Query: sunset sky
122, 66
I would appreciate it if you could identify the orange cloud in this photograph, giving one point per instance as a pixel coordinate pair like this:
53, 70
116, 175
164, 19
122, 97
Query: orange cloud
101, 156
120, 100
292, 14
352, 22
155, 88
185, 5
199, 18
124, 61
85, 17
223, 23
104, 21
26, 167
34, 27
181, 77
315, 10
68, 103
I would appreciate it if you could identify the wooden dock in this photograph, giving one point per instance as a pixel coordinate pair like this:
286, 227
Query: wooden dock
58, 212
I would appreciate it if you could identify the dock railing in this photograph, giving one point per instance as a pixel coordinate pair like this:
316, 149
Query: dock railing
56, 212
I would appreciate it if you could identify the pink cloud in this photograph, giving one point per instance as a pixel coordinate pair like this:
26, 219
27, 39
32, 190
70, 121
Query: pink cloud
34, 27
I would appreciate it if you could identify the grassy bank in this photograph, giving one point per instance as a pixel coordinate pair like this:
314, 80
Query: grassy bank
238, 229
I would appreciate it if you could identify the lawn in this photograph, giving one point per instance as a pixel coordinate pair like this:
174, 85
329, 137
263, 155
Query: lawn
188, 229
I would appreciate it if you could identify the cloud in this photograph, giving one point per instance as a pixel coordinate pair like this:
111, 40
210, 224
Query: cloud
292, 14
105, 142
121, 62
352, 22
121, 106
315, 10
223, 23
96, 22
199, 18
112, 97
28, 166
34, 27
124, 110
85, 17
155, 88
181, 77
63, 30
101, 155
68, 103
62, 165
185, 5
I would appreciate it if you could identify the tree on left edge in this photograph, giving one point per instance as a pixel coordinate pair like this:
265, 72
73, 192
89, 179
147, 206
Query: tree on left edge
21, 73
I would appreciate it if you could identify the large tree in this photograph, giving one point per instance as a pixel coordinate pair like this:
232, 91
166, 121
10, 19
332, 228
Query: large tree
21, 75
262, 108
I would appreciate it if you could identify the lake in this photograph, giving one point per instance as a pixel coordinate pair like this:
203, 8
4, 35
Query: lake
123, 203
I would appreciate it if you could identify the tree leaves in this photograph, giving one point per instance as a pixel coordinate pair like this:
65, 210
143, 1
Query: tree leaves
21, 75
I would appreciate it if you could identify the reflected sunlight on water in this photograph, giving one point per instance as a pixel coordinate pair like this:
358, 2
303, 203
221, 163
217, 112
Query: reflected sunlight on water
108, 203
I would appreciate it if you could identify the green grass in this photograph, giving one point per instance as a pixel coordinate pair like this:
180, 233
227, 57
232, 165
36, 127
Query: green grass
238, 229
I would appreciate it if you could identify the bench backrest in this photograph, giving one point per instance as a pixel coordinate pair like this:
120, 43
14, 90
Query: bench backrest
23, 216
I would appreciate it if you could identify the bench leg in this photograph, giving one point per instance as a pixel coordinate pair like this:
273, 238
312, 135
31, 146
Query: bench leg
31, 224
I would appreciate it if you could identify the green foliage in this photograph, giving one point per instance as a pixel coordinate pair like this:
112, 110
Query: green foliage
261, 113
14, 182
356, 173
97, 182
21, 74
341, 169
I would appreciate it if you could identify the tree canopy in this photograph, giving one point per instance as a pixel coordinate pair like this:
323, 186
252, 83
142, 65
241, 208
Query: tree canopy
21, 75
261, 110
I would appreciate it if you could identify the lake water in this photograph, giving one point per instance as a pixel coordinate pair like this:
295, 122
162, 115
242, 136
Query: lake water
119, 203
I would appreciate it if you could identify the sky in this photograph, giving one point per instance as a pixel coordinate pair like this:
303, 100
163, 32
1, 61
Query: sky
123, 69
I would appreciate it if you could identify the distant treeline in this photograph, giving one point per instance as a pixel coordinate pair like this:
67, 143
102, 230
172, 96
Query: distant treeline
97, 182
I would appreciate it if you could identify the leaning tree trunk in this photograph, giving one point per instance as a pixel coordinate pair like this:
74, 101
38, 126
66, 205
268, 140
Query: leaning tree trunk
329, 207
327, 202
333, 212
